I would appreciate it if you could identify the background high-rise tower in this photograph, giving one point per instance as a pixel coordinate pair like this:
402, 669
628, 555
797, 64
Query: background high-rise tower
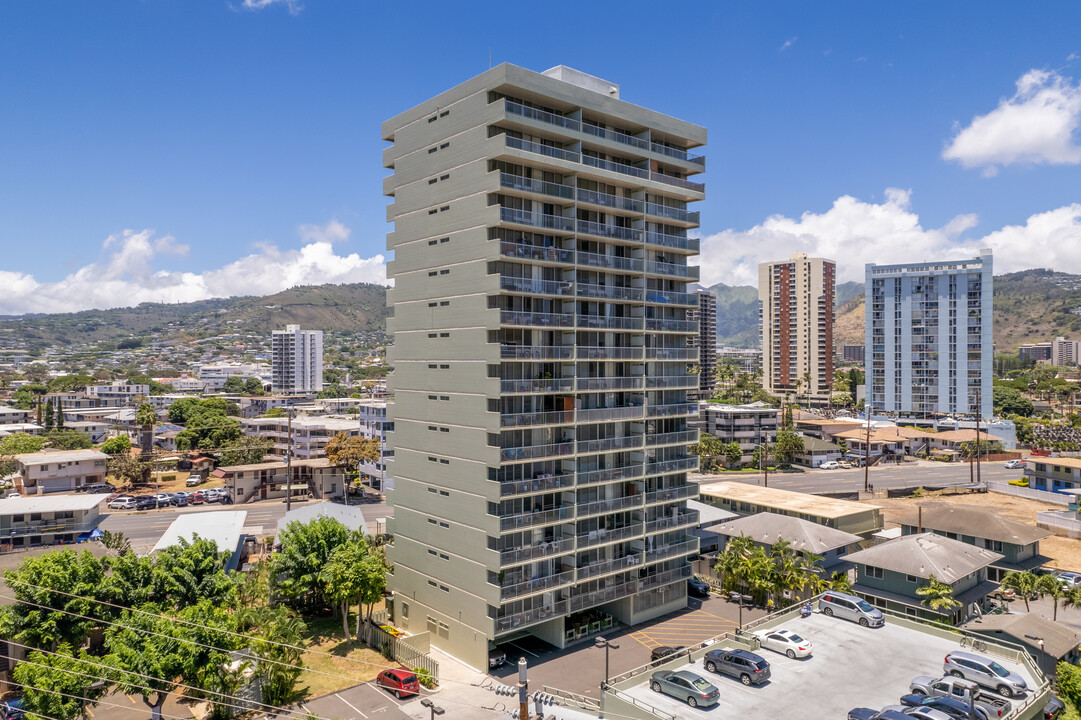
541, 358
706, 342
296, 360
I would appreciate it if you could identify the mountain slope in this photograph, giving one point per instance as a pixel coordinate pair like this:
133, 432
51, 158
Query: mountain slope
737, 315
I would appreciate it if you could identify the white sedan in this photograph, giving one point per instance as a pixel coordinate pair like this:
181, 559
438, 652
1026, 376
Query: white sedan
785, 642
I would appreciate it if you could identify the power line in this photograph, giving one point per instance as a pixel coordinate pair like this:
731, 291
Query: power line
84, 699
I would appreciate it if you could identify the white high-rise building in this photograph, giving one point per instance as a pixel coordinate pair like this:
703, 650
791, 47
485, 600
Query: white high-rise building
297, 360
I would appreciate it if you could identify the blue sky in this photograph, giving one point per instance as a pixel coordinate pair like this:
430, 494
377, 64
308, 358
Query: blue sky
169, 149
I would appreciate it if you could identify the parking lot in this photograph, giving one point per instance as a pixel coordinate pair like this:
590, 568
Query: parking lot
360, 702
851, 667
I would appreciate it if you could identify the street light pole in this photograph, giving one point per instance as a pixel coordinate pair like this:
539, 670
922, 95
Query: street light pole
425, 702
867, 451
606, 644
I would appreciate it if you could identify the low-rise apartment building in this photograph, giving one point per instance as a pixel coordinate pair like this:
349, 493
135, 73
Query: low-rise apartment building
804, 536
59, 471
1054, 474
270, 480
122, 394
310, 435
36, 520
10, 415
852, 517
375, 425
748, 425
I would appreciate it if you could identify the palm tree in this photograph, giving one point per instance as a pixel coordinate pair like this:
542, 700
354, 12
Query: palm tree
1072, 598
813, 579
937, 595
145, 417
1022, 583
840, 582
1050, 586
732, 562
787, 571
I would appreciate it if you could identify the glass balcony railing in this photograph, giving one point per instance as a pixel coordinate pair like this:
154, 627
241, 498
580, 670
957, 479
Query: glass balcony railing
676, 242
603, 536
517, 317
611, 262
545, 549
617, 202
611, 353
534, 452
672, 353
609, 444
667, 268
534, 419
537, 386
511, 621
615, 136
540, 187
664, 578
610, 383
670, 494
541, 484
533, 519
606, 567
536, 287
668, 466
604, 322
671, 298
672, 410
598, 597
536, 252
546, 150
686, 437
666, 325
610, 414
592, 477
586, 227
543, 116
678, 182
682, 519
616, 167
526, 217
672, 381
535, 585
671, 213
610, 292
537, 352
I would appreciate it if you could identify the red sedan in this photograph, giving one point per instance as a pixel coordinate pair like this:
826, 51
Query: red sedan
401, 682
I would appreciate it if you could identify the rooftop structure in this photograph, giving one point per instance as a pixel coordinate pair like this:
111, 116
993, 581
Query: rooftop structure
1057, 641
348, 515
857, 518
223, 527
803, 535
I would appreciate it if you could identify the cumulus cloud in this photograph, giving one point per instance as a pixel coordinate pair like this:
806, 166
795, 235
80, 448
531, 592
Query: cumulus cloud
293, 6
1036, 126
127, 275
789, 43
854, 232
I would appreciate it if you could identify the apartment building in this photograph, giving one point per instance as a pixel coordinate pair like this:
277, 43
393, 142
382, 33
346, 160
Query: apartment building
706, 342
928, 336
59, 471
214, 375
310, 435
796, 306
1059, 352
541, 358
296, 360
748, 425
13, 416
122, 394
374, 425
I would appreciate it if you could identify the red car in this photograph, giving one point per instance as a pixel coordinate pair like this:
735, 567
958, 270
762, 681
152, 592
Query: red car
400, 682
196, 498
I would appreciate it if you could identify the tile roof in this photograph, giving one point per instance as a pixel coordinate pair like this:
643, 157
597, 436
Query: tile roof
976, 522
927, 554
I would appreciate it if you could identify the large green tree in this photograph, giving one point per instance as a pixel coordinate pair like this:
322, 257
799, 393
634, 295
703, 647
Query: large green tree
18, 443
297, 571
61, 439
58, 686
789, 446
245, 450
344, 578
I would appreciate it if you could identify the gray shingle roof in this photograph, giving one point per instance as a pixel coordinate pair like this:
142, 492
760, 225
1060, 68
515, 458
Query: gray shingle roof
1058, 639
805, 536
975, 522
927, 554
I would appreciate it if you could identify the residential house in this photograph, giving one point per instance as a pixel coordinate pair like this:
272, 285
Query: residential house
890, 573
98, 430
852, 517
59, 470
1054, 474
270, 480
816, 452
307, 435
38, 520
10, 415
1048, 641
25, 428
119, 394
225, 528
804, 536
1017, 542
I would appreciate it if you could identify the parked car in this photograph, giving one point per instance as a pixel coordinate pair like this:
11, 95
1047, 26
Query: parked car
1014, 464
164, 498
961, 689
194, 480
697, 588
664, 653
1053, 709
146, 502
851, 608
919, 713
870, 714
686, 686
179, 501
122, 503
1002, 593
400, 682
196, 498
985, 672
785, 642
210, 495
830, 465
751, 669
12, 710
1069, 579
844, 464
97, 488
496, 657
952, 706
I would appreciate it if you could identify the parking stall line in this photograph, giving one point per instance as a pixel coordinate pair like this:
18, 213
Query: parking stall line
355, 709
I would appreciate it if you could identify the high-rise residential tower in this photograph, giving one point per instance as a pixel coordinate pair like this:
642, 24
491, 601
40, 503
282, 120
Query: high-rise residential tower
796, 305
296, 360
928, 336
706, 342
541, 359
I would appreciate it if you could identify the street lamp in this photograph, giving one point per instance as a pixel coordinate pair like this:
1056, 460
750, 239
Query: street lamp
432, 706
607, 645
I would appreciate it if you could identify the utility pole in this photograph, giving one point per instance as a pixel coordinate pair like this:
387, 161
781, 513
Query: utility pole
765, 460
289, 466
978, 438
867, 451
523, 690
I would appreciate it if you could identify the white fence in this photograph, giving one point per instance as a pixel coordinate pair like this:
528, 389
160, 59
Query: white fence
1061, 523
1030, 493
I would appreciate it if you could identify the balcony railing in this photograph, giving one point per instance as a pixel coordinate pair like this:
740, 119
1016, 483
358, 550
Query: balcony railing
541, 187
532, 419
533, 452
535, 585
618, 202
677, 242
672, 381
537, 352
615, 167
667, 268
611, 353
669, 494
668, 551
510, 621
671, 213
41, 527
613, 592
668, 466
593, 477
683, 519
610, 383
546, 549
610, 414
541, 220
672, 353
609, 444
678, 154
664, 578
541, 484
666, 325
604, 507
548, 150
536, 252
611, 292
610, 262
536, 287
678, 182
672, 410
541, 115
606, 567
688, 437
585, 227
671, 298
533, 519
615, 136
602, 537
517, 317
546, 385
604, 322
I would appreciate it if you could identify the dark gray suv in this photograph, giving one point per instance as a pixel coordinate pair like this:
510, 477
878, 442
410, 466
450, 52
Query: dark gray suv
751, 669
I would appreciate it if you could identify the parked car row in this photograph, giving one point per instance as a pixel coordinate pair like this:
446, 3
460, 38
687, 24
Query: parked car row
166, 499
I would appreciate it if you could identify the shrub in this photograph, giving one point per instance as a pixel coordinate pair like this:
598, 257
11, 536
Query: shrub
918, 492
424, 677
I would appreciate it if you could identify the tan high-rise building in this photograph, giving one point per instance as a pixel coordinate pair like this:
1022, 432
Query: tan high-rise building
796, 307
541, 359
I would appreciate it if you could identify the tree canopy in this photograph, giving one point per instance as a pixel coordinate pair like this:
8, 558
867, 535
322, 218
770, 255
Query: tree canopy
18, 443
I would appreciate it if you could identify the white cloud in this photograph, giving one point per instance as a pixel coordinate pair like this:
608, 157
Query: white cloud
789, 43
127, 276
1036, 126
293, 6
854, 232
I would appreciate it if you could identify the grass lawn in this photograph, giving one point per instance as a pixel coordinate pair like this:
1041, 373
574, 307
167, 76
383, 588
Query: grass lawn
325, 635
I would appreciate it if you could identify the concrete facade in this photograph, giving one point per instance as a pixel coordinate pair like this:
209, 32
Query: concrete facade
796, 300
748, 425
59, 471
928, 336
706, 342
296, 360
540, 322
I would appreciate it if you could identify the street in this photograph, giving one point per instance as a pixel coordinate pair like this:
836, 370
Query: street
923, 473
